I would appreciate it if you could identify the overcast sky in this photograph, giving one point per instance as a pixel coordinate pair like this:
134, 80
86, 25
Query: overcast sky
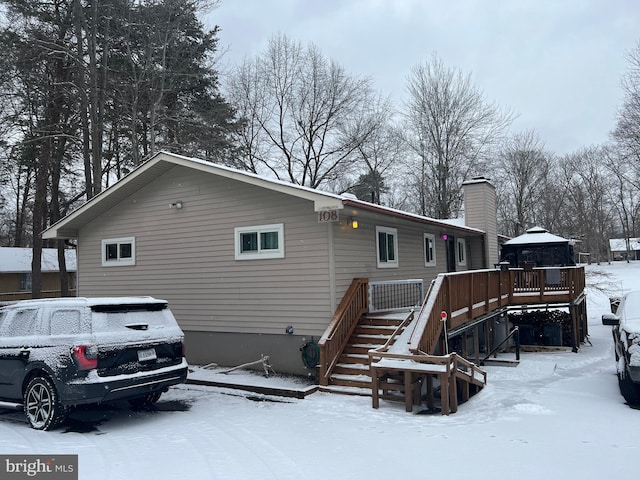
555, 63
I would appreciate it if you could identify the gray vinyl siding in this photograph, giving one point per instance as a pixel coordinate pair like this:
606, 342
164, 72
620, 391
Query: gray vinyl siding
356, 253
186, 256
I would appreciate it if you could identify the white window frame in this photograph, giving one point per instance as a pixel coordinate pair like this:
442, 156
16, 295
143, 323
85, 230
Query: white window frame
386, 263
461, 251
119, 261
259, 254
429, 241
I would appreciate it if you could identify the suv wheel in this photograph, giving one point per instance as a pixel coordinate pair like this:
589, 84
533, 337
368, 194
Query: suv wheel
630, 391
145, 401
42, 405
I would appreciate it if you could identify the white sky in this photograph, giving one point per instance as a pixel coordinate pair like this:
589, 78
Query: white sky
555, 63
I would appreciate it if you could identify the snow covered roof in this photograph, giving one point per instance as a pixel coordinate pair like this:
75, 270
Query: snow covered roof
536, 235
620, 244
18, 260
162, 162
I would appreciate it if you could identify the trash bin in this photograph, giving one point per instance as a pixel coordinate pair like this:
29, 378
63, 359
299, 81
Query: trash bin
527, 334
552, 334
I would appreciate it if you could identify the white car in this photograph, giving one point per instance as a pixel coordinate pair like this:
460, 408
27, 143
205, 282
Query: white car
626, 337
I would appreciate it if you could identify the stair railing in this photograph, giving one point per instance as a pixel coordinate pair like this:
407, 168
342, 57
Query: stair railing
354, 305
515, 333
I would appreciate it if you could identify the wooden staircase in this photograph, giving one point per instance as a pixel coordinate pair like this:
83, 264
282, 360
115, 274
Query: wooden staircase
351, 373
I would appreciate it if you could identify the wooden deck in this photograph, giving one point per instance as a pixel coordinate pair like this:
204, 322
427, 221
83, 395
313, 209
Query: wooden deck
416, 353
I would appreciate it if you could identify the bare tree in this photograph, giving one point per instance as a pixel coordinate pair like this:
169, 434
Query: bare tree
304, 117
450, 129
589, 209
627, 131
521, 168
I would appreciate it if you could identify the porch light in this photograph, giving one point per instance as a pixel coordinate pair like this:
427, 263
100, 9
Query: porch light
353, 222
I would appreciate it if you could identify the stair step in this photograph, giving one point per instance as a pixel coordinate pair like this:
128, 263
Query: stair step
375, 339
374, 330
362, 358
351, 369
359, 349
360, 381
347, 390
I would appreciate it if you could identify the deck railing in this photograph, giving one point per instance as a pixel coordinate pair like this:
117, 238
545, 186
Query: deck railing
395, 295
467, 295
353, 306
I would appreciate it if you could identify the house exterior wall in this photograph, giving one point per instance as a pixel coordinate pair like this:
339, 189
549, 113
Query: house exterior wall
187, 257
356, 252
234, 311
10, 282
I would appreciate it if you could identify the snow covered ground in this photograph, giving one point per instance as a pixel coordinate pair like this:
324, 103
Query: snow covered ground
557, 415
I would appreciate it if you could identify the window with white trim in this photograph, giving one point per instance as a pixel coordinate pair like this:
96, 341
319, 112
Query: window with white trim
461, 251
257, 242
429, 250
119, 251
387, 245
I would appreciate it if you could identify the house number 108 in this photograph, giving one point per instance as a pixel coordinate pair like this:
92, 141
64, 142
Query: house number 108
328, 216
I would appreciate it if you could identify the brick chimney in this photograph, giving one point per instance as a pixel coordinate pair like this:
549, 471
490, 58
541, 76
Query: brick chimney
480, 212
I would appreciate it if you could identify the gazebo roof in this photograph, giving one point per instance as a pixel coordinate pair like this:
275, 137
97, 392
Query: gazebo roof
536, 235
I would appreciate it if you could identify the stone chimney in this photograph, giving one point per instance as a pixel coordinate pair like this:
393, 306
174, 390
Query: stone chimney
480, 212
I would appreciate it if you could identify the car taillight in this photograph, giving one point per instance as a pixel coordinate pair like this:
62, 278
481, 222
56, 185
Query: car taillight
86, 356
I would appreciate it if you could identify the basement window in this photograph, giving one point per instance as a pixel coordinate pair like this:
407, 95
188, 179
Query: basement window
119, 252
259, 242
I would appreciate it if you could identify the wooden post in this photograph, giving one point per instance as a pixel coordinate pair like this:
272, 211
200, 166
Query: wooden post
430, 396
444, 393
408, 391
375, 402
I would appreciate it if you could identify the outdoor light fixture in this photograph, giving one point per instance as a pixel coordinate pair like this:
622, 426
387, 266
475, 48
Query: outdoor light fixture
177, 205
353, 222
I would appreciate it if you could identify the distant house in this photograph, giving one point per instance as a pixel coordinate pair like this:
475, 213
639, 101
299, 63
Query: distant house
538, 248
254, 266
15, 272
624, 249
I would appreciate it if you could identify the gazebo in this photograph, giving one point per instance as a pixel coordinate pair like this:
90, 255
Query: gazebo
538, 248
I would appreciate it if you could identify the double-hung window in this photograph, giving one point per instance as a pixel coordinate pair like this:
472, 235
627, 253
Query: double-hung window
429, 250
461, 254
262, 241
119, 251
387, 244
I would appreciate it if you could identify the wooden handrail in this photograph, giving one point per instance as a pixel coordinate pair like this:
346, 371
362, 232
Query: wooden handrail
468, 295
353, 306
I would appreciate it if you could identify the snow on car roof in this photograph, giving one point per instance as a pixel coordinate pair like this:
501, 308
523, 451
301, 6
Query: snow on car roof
94, 301
630, 317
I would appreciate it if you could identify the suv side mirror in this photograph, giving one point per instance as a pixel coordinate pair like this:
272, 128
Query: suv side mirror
610, 319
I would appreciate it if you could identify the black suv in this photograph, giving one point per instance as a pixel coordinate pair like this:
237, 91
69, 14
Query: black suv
626, 339
62, 352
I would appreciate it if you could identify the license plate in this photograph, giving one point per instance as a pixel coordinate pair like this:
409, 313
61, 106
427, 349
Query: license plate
146, 355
